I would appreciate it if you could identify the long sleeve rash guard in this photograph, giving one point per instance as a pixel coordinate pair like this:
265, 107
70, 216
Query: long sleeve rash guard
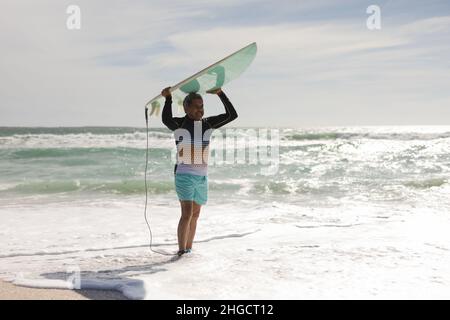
192, 137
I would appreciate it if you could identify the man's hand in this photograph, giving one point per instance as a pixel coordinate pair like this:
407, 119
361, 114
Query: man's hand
214, 91
166, 92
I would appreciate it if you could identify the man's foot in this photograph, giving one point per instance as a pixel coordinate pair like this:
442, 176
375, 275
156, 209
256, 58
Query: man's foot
181, 252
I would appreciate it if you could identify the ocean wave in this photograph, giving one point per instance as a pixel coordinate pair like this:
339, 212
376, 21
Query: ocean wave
290, 191
88, 153
136, 139
402, 136
322, 163
124, 187
313, 136
425, 184
30, 131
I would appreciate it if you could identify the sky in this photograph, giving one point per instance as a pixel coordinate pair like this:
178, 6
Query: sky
318, 64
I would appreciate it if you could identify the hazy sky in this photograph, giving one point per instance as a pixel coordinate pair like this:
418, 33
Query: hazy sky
317, 62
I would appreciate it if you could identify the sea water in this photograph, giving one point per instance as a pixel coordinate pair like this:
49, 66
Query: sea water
347, 212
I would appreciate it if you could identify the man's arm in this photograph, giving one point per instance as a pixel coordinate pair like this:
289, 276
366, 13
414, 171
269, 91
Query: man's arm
222, 119
167, 117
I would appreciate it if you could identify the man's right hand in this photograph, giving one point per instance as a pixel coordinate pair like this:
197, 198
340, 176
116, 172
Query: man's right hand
166, 92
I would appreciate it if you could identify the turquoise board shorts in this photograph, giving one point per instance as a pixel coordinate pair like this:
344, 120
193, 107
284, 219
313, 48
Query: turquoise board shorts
192, 187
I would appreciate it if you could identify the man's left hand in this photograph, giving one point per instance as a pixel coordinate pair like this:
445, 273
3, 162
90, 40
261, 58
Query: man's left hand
214, 91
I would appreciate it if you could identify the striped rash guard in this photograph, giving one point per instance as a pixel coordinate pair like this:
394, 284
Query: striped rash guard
192, 137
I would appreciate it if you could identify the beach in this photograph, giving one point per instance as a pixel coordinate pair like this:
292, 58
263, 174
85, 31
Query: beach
345, 212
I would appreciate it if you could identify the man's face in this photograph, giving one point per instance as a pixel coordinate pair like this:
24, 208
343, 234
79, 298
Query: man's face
195, 110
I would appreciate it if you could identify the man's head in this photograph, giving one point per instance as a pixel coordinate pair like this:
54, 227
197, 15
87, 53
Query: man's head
193, 106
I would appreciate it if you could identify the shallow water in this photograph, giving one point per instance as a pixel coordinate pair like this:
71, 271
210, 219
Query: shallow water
348, 212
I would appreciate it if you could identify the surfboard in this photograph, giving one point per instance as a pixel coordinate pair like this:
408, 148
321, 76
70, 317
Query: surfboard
212, 77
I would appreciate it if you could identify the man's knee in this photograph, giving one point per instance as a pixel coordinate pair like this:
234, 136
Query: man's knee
186, 216
196, 210
186, 210
196, 214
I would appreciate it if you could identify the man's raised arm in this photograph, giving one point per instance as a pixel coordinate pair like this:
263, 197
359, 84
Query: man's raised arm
167, 117
224, 118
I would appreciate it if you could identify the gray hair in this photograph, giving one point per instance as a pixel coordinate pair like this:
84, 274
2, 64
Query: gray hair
191, 97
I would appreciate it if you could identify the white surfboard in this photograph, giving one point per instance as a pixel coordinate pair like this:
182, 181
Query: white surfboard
213, 77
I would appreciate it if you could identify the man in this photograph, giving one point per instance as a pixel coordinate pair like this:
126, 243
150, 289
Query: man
192, 133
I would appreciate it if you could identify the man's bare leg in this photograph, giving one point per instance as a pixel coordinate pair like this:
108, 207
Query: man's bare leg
193, 225
183, 225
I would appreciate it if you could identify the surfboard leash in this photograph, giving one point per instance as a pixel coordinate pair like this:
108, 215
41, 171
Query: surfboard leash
146, 191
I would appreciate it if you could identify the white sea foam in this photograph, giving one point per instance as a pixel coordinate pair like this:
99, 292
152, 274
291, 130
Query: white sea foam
88, 140
363, 214
271, 251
